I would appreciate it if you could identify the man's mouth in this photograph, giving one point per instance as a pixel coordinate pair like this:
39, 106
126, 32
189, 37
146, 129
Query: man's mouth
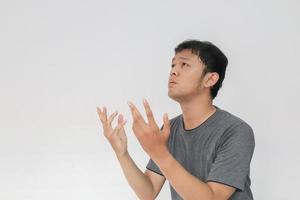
172, 83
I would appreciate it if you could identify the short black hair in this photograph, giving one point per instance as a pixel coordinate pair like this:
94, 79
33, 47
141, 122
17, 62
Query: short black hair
212, 57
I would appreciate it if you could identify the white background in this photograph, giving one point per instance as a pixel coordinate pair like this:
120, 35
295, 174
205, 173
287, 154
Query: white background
61, 59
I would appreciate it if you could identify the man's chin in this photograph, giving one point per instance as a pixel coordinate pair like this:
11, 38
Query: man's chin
173, 96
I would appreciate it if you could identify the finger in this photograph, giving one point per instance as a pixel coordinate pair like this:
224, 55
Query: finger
166, 128
120, 120
104, 113
119, 127
137, 117
111, 118
100, 114
149, 113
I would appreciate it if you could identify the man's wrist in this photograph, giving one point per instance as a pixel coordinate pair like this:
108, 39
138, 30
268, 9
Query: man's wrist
121, 156
163, 160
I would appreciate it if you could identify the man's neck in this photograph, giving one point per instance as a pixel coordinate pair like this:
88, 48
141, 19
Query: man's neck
196, 111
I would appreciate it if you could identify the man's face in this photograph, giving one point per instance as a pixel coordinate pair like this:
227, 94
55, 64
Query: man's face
186, 73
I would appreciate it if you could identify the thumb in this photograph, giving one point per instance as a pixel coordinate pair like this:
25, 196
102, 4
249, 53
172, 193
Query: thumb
166, 128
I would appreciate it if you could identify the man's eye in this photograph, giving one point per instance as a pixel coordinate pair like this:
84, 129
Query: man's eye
185, 64
172, 65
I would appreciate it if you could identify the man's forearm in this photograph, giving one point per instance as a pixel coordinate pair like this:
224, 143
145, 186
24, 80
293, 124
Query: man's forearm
138, 181
186, 185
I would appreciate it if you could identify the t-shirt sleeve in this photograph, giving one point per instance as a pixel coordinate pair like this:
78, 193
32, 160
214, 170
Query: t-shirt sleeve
234, 153
152, 165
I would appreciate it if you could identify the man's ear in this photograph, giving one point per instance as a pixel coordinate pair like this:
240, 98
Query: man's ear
210, 79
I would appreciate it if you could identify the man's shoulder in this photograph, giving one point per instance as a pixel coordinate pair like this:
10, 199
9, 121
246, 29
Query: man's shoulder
235, 125
231, 119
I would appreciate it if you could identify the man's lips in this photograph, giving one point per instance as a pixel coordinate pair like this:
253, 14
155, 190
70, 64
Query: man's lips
172, 82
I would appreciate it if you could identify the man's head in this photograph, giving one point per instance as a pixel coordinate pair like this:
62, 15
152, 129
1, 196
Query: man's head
198, 67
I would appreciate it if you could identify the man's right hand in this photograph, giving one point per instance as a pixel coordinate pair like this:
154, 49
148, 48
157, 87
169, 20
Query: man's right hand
117, 136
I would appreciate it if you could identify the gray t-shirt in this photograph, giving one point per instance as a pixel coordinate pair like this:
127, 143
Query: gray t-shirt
220, 150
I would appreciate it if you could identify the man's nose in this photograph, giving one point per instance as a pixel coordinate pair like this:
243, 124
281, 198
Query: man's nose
174, 71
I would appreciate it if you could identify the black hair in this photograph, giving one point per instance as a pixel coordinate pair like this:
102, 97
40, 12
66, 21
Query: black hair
212, 57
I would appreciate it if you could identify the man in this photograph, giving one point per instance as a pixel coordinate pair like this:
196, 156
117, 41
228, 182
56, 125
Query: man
205, 152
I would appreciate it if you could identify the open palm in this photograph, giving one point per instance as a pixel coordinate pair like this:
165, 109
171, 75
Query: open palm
116, 136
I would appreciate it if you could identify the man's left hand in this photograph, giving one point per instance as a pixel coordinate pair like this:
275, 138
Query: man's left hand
152, 139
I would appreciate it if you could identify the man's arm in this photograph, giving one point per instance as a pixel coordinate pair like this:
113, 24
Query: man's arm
145, 185
157, 181
188, 186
